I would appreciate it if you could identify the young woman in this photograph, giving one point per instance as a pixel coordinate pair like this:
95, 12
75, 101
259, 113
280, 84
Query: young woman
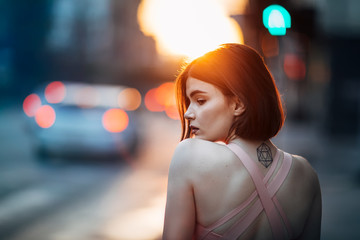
227, 180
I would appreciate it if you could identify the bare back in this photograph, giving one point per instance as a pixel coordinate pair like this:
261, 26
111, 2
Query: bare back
220, 183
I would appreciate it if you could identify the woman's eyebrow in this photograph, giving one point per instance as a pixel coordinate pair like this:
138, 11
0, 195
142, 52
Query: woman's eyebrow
196, 92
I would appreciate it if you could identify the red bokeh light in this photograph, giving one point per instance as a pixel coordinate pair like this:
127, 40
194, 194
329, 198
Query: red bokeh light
115, 120
151, 102
165, 94
172, 112
31, 104
161, 99
45, 116
269, 45
55, 92
294, 67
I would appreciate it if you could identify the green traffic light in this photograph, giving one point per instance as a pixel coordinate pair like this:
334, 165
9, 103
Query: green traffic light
276, 19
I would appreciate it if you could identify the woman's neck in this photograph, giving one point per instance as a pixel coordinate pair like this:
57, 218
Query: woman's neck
252, 147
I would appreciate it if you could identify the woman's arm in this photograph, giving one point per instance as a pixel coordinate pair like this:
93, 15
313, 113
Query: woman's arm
180, 216
312, 229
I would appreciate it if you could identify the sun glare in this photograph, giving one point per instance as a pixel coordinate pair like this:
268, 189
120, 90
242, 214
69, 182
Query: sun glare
188, 27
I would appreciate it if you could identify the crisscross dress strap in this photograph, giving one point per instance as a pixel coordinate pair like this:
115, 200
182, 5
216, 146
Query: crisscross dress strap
272, 213
243, 223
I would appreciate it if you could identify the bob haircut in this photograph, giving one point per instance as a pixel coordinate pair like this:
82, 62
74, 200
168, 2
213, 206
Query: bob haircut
237, 71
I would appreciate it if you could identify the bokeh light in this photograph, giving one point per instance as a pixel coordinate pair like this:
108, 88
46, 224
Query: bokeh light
186, 27
129, 99
55, 92
151, 102
319, 72
115, 120
162, 99
276, 19
165, 94
294, 67
45, 116
31, 104
172, 112
269, 45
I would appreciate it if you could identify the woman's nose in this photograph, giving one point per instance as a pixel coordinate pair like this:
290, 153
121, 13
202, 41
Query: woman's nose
189, 114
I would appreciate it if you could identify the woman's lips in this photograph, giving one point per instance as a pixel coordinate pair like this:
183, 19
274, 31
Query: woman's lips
194, 130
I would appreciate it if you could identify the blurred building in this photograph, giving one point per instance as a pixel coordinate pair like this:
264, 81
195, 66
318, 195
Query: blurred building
82, 40
100, 41
341, 23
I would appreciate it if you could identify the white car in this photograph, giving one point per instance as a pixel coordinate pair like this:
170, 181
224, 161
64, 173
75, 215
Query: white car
84, 120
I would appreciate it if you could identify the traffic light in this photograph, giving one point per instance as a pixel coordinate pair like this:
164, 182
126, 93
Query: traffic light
276, 19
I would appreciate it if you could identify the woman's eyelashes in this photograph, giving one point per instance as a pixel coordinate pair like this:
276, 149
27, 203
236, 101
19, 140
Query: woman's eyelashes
200, 101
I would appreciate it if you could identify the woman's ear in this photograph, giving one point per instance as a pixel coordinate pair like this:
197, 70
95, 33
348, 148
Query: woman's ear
239, 107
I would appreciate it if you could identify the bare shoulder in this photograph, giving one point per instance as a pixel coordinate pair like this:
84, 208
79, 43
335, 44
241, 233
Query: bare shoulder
197, 148
304, 172
193, 153
303, 163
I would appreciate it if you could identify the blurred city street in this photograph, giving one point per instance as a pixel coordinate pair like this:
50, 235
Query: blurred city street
64, 200
88, 117
60, 199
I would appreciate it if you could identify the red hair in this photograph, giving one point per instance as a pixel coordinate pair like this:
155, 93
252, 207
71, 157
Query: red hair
237, 70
